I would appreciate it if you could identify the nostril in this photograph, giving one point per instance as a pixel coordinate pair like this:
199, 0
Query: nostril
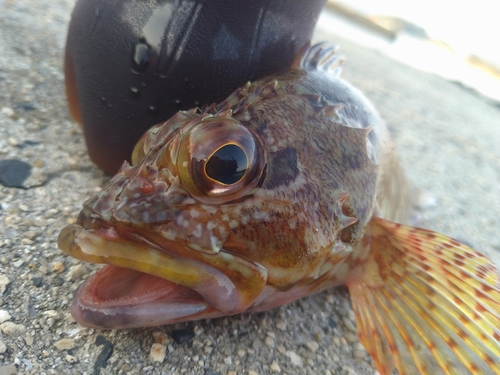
146, 187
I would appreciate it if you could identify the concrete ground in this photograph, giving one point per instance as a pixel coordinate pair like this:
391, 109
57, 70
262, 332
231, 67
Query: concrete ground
447, 136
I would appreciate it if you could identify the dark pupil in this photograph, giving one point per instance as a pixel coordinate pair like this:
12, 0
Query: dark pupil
227, 165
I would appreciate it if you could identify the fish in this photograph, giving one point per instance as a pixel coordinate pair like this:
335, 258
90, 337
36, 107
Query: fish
288, 187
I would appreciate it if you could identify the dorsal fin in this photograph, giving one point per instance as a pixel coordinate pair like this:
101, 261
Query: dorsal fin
321, 56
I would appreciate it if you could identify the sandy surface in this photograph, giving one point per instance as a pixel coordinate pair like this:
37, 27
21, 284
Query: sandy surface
447, 136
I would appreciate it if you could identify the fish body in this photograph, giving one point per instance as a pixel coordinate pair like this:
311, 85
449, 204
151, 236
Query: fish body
288, 187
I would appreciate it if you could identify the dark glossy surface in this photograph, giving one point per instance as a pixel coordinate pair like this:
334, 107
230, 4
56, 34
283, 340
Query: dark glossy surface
131, 64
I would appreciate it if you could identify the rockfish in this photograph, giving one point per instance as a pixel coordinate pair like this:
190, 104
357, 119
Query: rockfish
288, 187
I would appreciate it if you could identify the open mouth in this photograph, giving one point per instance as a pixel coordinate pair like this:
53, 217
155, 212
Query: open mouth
144, 285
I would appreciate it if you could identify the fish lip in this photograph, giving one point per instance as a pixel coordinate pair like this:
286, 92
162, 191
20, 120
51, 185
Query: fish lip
219, 294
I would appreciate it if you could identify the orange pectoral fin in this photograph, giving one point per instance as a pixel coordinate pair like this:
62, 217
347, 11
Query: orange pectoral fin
430, 301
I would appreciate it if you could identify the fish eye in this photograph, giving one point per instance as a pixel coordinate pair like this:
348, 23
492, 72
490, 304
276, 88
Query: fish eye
227, 165
220, 160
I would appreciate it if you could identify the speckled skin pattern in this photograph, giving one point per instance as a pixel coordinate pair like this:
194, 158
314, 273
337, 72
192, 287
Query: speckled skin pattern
314, 209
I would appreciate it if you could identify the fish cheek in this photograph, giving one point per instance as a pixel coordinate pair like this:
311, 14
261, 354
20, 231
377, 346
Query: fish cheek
276, 246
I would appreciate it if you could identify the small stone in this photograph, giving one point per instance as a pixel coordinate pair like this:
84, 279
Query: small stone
71, 358
348, 370
349, 324
8, 370
12, 329
51, 212
37, 281
161, 337
158, 352
12, 141
332, 323
269, 341
14, 172
4, 281
251, 372
181, 336
7, 111
77, 272
280, 324
18, 263
29, 340
4, 316
312, 346
58, 267
295, 359
275, 366
65, 344
106, 352
281, 349
351, 337
3, 347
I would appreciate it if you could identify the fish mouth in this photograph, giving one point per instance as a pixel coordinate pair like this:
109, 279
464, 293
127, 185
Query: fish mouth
144, 284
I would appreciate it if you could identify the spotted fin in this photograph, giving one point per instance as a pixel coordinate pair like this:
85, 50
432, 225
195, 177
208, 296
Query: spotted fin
321, 56
426, 304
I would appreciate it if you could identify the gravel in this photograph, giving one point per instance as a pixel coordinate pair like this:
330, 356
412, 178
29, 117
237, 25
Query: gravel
447, 136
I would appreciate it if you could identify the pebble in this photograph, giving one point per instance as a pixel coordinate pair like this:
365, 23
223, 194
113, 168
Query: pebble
58, 267
77, 272
4, 316
269, 341
181, 336
359, 352
51, 212
12, 329
29, 340
3, 347
71, 358
252, 373
351, 337
349, 324
161, 337
295, 359
65, 344
7, 111
275, 366
14, 172
4, 281
8, 370
312, 346
280, 324
158, 352
106, 352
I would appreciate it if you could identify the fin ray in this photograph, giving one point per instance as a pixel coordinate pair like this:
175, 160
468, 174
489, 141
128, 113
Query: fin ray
428, 300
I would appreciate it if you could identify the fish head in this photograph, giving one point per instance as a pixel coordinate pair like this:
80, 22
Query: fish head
221, 213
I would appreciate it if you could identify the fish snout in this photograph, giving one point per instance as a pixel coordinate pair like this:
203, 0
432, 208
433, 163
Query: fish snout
138, 195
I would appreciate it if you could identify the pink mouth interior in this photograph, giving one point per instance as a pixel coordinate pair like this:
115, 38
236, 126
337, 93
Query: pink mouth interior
117, 297
115, 286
